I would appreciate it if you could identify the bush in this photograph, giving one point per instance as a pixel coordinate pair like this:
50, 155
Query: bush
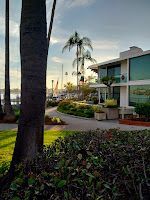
89, 166
98, 109
75, 108
52, 103
110, 103
95, 100
143, 109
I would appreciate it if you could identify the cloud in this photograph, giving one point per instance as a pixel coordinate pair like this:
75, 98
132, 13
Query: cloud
14, 28
57, 59
76, 3
105, 45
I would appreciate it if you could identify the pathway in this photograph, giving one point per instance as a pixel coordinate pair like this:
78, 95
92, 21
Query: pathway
78, 124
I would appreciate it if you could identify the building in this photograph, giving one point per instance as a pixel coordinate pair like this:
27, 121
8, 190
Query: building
132, 77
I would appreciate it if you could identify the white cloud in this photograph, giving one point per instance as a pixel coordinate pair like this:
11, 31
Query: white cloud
105, 45
57, 59
76, 3
14, 28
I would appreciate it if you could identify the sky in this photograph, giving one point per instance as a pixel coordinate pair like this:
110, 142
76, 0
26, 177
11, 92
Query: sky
112, 25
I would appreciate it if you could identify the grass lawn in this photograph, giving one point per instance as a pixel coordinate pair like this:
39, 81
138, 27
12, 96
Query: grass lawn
7, 142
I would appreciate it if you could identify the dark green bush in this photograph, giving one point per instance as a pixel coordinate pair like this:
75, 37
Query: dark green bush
52, 103
77, 109
89, 166
143, 109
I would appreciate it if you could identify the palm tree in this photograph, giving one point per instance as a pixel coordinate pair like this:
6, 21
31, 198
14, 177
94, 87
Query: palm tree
80, 44
7, 105
1, 110
33, 49
69, 88
86, 56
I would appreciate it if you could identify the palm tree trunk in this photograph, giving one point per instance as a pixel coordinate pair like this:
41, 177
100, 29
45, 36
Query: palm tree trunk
77, 66
7, 105
33, 49
51, 23
1, 110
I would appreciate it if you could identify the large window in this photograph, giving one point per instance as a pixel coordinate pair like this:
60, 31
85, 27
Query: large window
139, 94
102, 72
114, 70
140, 68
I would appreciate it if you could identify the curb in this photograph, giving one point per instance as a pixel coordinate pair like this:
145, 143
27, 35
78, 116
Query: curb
74, 116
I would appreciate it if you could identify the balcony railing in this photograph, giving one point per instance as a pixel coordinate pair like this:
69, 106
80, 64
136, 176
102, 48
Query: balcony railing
121, 78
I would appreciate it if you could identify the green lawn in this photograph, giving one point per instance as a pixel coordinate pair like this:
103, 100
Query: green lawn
7, 141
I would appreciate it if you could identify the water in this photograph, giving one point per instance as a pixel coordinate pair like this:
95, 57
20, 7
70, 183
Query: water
15, 98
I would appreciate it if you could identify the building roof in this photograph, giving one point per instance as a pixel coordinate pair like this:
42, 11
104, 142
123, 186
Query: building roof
133, 52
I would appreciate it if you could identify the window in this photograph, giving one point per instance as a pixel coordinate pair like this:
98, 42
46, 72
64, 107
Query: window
140, 68
139, 94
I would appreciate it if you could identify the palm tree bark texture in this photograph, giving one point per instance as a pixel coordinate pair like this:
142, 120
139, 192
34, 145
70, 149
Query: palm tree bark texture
7, 105
33, 49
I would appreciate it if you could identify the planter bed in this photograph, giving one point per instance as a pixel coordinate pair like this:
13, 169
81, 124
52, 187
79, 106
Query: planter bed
135, 122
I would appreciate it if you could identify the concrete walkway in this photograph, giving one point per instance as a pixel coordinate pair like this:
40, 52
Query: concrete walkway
78, 124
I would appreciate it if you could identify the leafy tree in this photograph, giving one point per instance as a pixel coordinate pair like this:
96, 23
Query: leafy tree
80, 43
69, 88
108, 81
7, 103
86, 90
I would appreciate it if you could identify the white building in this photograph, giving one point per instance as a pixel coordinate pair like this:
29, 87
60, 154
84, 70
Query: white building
132, 74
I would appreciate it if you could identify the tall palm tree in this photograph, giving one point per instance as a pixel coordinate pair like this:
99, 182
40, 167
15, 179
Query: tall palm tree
33, 49
80, 43
85, 56
7, 105
1, 110
34, 45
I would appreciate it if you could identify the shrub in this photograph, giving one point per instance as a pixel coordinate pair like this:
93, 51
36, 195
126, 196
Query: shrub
76, 108
110, 103
52, 103
143, 109
88, 165
95, 100
98, 109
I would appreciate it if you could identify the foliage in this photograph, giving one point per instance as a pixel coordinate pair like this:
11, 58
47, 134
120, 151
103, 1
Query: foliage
52, 103
143, 109
53, 121
89, 166
69, 87
95, 100
75, 108
108, 80
86, 90
7, 142
110, 103
97, 109
85, 56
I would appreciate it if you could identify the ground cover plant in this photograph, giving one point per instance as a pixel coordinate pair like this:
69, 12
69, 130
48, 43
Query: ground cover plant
90, 166
75, 108
7, 142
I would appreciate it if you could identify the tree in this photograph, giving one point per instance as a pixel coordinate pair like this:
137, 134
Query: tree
79, 43
86, 90
69, 88
1, 110
33, 49
85, 56
7, 103
108, 81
